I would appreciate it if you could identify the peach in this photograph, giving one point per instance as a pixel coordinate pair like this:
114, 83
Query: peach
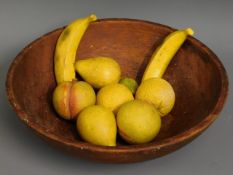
69, 98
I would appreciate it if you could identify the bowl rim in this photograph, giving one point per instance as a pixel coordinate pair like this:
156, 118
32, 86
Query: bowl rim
153, 146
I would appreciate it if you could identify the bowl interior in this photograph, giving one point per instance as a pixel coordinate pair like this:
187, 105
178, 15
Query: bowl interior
192, 73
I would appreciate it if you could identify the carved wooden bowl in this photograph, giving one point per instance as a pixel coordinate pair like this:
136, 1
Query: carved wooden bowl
196, 74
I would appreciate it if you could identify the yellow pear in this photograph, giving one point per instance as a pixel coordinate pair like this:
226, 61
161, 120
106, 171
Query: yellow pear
99, 71
97, 125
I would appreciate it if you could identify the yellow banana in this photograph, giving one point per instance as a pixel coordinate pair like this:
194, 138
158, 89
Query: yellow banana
164, 53
66, 48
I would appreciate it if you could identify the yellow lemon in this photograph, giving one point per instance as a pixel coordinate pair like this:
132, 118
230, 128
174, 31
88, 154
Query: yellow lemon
138, 122
158, 92
113, 96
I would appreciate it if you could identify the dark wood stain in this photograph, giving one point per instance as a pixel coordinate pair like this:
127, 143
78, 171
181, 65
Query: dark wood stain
198, 77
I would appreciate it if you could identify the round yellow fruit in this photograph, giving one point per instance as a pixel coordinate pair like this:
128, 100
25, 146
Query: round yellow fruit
158, 92
138, 122
97, 125
113, 96
69, 98
99, 71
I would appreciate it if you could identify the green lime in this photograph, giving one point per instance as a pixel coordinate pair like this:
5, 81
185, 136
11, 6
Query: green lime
130, 83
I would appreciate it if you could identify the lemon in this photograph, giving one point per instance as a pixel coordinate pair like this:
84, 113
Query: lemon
138, 122
158, 92
113, 96
97, 125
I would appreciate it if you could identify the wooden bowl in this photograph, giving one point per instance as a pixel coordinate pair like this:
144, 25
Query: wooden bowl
196, 74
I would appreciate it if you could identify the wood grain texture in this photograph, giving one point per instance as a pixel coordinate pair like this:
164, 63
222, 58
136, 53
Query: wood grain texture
196, 74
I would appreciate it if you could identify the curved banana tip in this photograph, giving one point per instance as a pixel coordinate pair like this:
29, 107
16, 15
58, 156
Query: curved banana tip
189, 31
92, 17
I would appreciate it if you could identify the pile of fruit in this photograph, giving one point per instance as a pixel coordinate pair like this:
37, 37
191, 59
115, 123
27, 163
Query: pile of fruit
103, 104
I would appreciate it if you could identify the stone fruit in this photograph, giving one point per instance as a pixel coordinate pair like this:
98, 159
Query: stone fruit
97, 125
158, 92
66, 48
113, 96
69, 98
130, 83
99, 71
138, 122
